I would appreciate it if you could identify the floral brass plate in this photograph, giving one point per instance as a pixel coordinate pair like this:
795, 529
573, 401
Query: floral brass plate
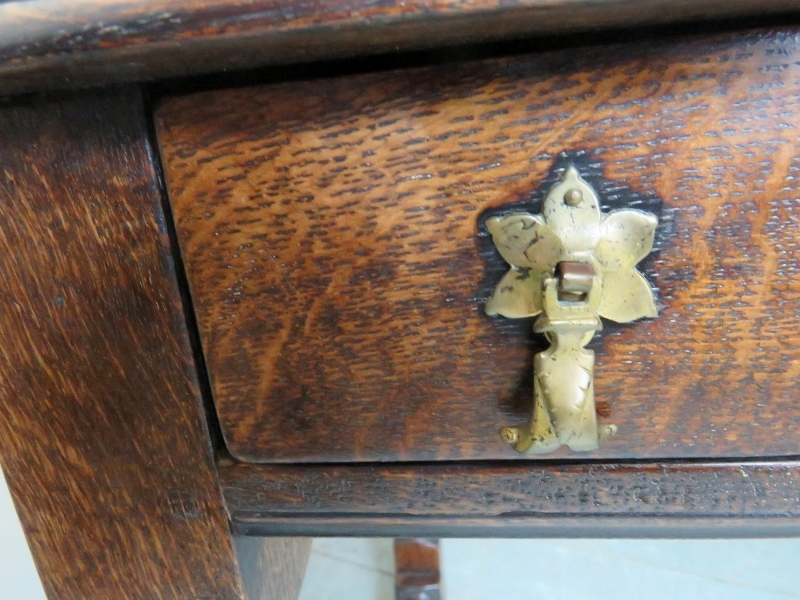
570, 265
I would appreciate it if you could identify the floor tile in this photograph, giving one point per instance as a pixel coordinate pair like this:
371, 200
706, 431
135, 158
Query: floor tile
372, 553
590, 570
769, 565
349, 569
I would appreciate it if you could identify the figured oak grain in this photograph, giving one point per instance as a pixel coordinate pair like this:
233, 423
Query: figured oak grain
47, 44
103, 439
334, 239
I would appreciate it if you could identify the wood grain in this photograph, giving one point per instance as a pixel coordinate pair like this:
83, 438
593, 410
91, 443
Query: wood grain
416, 569
333, 234
102, 431
508, 499
61, 43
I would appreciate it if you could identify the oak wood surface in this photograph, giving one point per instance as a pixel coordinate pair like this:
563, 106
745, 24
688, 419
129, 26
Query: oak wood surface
507, 499
417, 569
63, 43
334, 239
103, 439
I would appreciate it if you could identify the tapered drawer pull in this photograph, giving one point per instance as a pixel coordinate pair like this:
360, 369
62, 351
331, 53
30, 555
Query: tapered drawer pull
570, 265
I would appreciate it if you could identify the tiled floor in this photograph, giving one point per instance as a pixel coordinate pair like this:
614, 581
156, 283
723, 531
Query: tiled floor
362, 569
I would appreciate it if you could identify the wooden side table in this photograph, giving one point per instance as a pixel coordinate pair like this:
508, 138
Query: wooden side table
110, 439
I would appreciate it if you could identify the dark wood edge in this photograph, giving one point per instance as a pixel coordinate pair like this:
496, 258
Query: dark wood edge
516, 500
595, 527
46, 44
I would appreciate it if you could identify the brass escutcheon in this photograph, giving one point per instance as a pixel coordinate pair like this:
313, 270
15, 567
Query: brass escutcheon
570, 265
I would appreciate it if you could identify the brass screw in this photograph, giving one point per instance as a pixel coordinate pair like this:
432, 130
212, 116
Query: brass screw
573, 197
510, 434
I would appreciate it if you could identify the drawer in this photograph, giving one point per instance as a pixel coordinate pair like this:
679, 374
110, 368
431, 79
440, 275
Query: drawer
334, 234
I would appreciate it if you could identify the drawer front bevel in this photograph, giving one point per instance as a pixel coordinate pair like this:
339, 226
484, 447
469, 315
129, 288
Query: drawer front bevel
333, 236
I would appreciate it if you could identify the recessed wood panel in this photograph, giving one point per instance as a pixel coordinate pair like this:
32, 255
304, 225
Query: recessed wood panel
333, 235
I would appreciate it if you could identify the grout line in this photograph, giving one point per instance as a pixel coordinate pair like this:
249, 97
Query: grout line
353, 563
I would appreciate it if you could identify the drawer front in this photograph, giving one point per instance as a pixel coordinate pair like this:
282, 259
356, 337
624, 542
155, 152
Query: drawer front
334, 236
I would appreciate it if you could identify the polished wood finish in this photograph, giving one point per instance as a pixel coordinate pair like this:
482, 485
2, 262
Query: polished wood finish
272, 568
517, 500
416, 569
103, 439
333, 233
52, 43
